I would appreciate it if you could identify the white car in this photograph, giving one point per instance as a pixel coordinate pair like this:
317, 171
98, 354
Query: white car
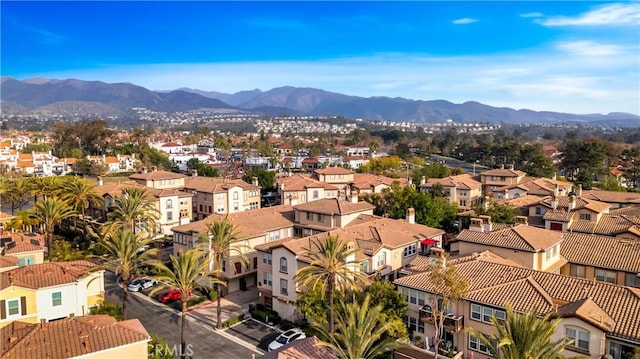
142, 283
286, 338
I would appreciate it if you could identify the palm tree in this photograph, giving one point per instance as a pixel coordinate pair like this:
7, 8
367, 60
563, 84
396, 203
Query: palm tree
16, 191
188, 268
123, 249
51, 212
332, 266
361, 333
80, 193
135, 209
219, 240
24, 221
523, 336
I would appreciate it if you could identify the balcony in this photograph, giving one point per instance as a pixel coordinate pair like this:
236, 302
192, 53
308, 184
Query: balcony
451, 321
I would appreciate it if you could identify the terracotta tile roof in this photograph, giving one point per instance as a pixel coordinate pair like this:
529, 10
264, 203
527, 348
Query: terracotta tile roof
312, 160
69, 337
301, 182
333, 206
464, 181
503, 172
524, 201
22, 242
520, 237
629, 211
309, 348
580, 203
558, 215
620, 303
538, 186
157, 175
250, 224
8, 261
523, 294
333, 171
608, 225
367, 180
46, 274
612, 197
600, 251
111, 159
589, 311
215, 185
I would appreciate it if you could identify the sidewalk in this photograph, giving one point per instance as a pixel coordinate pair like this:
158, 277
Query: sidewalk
232, 305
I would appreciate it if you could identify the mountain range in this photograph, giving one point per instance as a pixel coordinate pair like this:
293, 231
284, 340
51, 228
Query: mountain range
65, 97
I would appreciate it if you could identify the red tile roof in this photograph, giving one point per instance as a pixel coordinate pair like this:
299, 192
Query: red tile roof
46, 274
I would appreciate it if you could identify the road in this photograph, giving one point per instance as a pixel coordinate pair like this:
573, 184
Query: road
202, 342
467, 167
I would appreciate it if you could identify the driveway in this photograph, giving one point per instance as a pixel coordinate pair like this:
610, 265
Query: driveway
254, 332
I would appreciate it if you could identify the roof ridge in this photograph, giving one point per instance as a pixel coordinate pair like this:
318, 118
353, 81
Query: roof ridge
539, 288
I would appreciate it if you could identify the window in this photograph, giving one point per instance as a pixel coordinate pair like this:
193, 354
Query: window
266, 278
220, 208
415, 324
606, 276
476, 344
476, 312
235, 195
315, 194
274, 236
27, 261
539, 211
266, 258
169, 203
580, 338
463, 193
548, 254
585, 216
13, 307
320, 217
365, 266
632, 280
169, 216
381, 260
236, 206
484, 314
245, 196
620, 351
283, 265
577, 270
284, 287
462, 203
309, 216
56, 299
409, 250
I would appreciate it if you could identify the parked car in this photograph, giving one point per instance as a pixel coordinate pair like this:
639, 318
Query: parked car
142, 283
170, 296
286, 338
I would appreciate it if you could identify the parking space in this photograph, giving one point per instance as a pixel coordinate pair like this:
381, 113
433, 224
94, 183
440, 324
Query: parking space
254, 332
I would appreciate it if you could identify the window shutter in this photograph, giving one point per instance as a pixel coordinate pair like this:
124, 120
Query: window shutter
23, 305
3, 309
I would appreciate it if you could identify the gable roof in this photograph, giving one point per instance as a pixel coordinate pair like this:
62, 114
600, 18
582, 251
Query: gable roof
367, 180
46, 274
333, 171
309, 348
157, 175
589, 311
601, 251
332, 206
612, 197
503, 172
520, 237
216, 185
69, 337
23, 243
464, 181
301, 183
608, 224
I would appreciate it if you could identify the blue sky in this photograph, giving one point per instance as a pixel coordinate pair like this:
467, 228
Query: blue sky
579, 57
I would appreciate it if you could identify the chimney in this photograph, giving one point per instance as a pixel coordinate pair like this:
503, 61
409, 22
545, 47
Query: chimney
194, 172
579, 190
556, 190
100, 181
411, 216
476, 225
554, 202
282, 186
572, 203
487, 225
423, 180
511, 167
502, 166
410, 181
522, 220
144, 169
254, 181
555, 177
354, 198
485, 205
506, 194
154, 168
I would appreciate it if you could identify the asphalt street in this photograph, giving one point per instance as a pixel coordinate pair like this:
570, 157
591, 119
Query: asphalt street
202, 342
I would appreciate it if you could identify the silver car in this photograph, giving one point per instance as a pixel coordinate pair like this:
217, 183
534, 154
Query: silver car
142, 283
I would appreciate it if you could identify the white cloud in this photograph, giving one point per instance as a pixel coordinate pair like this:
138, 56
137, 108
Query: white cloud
464, 21
531, 14
614, 14
589, 48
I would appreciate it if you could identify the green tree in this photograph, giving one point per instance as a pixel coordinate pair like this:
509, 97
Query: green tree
583, 160
188, 269
361, 333
202, 168
450, 287
332, 267
536, 163
51, 212
523, 336
16, 191
266, 179
313, 304
158, 348
62, 251
135, 210
499, 213
394, 306
220, 242
111, 309
126, 252
80, 193
432, 170
611, 183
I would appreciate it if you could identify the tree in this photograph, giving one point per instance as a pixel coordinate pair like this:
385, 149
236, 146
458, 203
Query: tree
158, 348
16, 191
583, 160
80, 193
361, 333
202, 168
62, 251
110, 309
126, 253
266, 179
523, 336
450, 286
188, 268
611, 183
51, 212
135, 209
394, 306
220, 241
499, 213
332, 267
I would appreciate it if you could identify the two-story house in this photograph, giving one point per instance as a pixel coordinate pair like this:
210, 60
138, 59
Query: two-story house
221, 196
49, 291
462, 190
601, 318
90, 337
300, 188
501, 177
337, 176
20, 249
535, 186
366, 183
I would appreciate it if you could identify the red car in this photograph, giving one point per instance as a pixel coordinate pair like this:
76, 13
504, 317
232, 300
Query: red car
170, 296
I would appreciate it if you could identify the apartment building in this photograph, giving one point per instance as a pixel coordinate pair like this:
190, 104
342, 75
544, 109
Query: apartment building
298, 189
159, 179
501, 177
221, 196
49, 291
91, 337
462, 190
602, 318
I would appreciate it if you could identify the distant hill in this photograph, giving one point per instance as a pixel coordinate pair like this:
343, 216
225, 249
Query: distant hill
91, 97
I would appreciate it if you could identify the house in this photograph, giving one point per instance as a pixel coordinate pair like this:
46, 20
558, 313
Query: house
601, 318
159, 179
91, 337
462, 190
300, 188
337, 176
365, 183
20, 249
49, 291
540, 186
497, 178
220, 195
615, 199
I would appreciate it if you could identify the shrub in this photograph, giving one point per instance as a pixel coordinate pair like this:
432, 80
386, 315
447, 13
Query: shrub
196, 300
263, 315
233, 321
286, 325
111, 309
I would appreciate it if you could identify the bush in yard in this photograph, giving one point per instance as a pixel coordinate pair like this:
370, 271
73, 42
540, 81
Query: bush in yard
233, 321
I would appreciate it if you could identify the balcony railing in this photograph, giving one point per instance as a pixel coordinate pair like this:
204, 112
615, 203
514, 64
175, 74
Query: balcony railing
451, 321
